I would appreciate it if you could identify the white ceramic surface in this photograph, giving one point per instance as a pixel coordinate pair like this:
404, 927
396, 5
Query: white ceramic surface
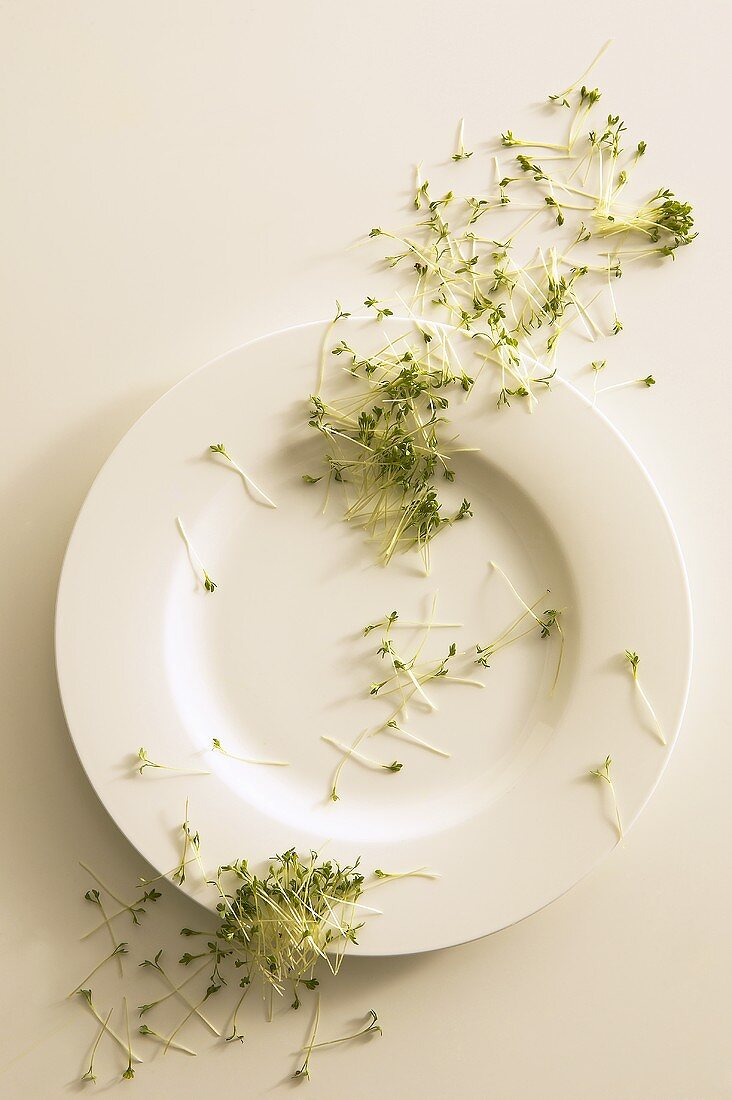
275, 657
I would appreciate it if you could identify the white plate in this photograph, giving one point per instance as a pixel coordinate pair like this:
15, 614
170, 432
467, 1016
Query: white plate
275, 657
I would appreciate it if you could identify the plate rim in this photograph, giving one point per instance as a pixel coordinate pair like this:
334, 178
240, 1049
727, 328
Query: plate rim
587, 403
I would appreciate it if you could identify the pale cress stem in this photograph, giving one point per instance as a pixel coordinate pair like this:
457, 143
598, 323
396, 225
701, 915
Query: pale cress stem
648, 381
143, 762
86, 994
198, 566
460, 151
393, 767
148, 1032
634, 660
219, 448
529, 610
603, 773
418, 872
158, 878
396, 729
194, 1011
89, 1075
218, 747
370, 1028
121, 949
129, 1073
93, 896
304, 1070
325, 346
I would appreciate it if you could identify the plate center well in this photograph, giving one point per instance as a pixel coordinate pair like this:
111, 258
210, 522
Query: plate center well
276, 657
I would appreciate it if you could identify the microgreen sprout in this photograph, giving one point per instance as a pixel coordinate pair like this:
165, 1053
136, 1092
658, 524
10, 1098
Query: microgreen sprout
419, 872
120, 949
90, 1075
393, 726
421, 188
334, 795
219, 448
129, 1073
208, 584
235, 1033
194, 1011
190, 840
603, 773
175, 990
549, 622
304, 1071
371, 1027
634, 660
648, 381
597, 366
143, 761
460, 152
340, 315
410, 624
382, 311
560, 98
150, 1034
94, 897
395, 766
87, 996
216, 746
509, 141
387, 621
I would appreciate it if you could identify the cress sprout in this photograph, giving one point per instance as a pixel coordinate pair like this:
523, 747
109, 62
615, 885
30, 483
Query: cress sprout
129, 1072
634, 660
603, 773
148, 1032
143, 761
90, 1075
216, 746
220, 449
208, 584
120, 949
461, 152
86, 994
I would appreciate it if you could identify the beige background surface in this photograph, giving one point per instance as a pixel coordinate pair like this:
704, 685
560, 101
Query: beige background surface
179, 177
